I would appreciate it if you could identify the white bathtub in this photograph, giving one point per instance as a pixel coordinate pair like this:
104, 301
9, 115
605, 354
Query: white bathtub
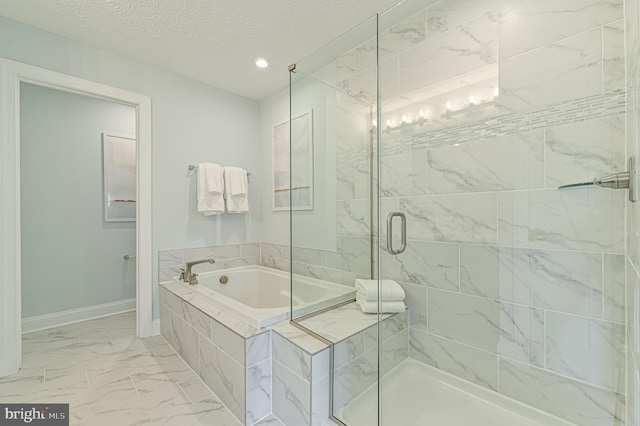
261, 296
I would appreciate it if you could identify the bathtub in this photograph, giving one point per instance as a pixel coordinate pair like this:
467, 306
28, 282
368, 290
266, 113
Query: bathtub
261, 296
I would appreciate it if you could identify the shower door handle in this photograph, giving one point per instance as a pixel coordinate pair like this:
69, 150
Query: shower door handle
403, 240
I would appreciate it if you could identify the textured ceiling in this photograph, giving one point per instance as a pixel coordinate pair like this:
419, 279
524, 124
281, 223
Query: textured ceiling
212, 41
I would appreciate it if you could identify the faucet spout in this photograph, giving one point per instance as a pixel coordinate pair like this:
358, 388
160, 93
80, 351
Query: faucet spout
189, 277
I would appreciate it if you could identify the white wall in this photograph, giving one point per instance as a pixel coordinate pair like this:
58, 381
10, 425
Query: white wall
71, 258
191, 122
317, 228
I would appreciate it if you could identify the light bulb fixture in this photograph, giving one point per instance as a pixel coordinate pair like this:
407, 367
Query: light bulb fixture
421, 114
496, 92
374, 123
448, 105
472, 100
262, 62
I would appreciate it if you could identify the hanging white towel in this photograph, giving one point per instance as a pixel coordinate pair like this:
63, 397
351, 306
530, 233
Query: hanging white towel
236, 190
214, 174
238, 182
209, 203
387, 307
389, 290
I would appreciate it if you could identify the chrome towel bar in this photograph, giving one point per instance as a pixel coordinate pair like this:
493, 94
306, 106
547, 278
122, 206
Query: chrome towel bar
193, 168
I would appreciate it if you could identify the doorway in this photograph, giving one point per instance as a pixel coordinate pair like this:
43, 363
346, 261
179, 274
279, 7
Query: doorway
12, 75
77, 196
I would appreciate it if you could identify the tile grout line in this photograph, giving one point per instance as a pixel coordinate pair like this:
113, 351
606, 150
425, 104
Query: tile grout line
524, 363
519, 304
185, 393
197, 375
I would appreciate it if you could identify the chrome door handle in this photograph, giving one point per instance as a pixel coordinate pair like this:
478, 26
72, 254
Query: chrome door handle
403, 241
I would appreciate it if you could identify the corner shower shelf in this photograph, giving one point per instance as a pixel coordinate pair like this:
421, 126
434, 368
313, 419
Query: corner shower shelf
621, 180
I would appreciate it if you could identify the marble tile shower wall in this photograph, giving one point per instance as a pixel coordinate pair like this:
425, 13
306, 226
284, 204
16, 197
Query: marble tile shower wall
632, 45
512, 284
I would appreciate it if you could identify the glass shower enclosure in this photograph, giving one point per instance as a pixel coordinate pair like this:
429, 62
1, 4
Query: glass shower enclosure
427, 147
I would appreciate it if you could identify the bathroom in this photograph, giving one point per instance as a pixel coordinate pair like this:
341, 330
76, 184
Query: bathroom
431, 139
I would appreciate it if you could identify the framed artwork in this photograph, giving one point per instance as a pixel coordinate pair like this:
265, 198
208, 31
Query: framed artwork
119, 177
293, 183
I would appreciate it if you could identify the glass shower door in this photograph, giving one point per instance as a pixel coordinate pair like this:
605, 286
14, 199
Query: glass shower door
514, 287
439, 136
329, 195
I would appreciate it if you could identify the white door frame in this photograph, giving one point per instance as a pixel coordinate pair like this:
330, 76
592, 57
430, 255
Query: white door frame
11, 75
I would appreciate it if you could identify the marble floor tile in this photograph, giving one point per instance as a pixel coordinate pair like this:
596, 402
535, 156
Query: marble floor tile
196, 390
110, 377
83, 405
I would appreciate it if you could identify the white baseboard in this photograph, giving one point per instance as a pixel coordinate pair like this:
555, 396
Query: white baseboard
42, 322
156, 327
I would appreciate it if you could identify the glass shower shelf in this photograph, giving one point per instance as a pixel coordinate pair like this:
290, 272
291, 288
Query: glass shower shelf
576, 185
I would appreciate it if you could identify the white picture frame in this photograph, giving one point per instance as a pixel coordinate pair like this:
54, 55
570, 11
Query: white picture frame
119, 177
293, 192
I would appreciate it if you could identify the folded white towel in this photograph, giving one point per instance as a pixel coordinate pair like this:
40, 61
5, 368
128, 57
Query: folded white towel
208, 203
214, 174
387, 307
389, 290
236, 190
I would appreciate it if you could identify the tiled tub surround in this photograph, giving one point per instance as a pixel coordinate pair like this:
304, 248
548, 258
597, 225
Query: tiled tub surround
301, 367
334, 266
355, 361
261, 297
231, 357
280, 370
226, 256
351, 260
354, 336
512, 284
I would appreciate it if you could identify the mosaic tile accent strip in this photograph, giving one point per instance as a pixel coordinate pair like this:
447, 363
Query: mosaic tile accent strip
561, 113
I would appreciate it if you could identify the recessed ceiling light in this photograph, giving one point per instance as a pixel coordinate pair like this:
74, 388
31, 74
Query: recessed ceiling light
262, 62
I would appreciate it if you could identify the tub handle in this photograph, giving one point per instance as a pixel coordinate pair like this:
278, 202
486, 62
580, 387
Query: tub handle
403, 223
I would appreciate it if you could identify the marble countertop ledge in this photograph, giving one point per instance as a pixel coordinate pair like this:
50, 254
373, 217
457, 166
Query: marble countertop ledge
342, 322
334, 325
299, 337
202, 303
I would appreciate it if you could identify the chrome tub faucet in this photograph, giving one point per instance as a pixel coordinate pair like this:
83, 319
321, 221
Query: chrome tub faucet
189, 277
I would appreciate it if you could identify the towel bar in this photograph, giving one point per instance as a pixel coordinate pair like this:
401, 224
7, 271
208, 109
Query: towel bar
193, 168
128, 257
